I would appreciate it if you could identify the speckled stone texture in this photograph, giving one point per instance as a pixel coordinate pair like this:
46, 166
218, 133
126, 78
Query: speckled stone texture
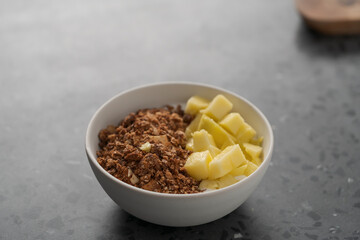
60, 60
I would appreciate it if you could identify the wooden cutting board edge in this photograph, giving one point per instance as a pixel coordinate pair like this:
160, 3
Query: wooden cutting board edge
329, 26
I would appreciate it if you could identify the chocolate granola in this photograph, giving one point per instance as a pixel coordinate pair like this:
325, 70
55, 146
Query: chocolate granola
159, 166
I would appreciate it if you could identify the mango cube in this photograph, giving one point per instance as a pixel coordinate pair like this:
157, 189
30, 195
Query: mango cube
230, 158
232, 123
239, 170
257, 141
195, 104
197, 165
235, 154
146, 147
235, 124
220, 167
209, 184
228, 142
239, 178
202, 140
219, 134
214, 151
193, 126
190, 145
251, 167
246, 133
226, 180
253, 150
256, 161
218, 107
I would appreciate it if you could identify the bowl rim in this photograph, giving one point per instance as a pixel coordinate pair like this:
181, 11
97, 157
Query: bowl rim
93, 158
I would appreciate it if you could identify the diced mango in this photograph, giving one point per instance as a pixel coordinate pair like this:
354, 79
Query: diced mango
256, 161
240, 177
232, 123
212, 128
235, 154
195, 104
218, 107
219, 167
202, 140
235, 124
257, 141
230, 158
228, 142
146, 147
214, 151
251, 167
190, 145
226, 180
245, 133
220, 135
193, 126
253, 150
239, 170
209, 184
197, 165
247, 156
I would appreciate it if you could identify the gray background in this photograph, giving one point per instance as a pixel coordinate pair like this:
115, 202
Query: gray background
60, 60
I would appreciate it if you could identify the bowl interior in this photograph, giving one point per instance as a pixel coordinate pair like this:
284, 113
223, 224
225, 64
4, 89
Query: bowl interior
159, 95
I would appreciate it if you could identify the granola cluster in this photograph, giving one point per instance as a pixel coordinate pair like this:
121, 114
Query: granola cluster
157, 167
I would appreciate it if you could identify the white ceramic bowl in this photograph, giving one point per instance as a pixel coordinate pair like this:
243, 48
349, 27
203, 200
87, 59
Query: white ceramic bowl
175, 209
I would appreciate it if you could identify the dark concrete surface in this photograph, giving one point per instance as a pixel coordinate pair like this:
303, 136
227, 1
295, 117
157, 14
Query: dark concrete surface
60, 60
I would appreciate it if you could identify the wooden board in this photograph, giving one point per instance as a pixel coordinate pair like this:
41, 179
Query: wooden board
335, 17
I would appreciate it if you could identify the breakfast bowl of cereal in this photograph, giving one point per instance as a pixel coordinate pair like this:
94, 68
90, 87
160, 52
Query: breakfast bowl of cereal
179, 154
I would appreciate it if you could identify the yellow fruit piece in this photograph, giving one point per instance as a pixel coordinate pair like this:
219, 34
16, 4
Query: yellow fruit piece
256, 161
239, 170
228, 142
245, 133
195, 104
251, 167
146, 147
190, 145
219, 134
235, 154
232, 123
235, 124
209, 184
239, 178
257, 141
214, 151
193, 126
226, 180
253, 150
230, 158
247, 156
218, 107
220, 167
197, 165
202, 140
